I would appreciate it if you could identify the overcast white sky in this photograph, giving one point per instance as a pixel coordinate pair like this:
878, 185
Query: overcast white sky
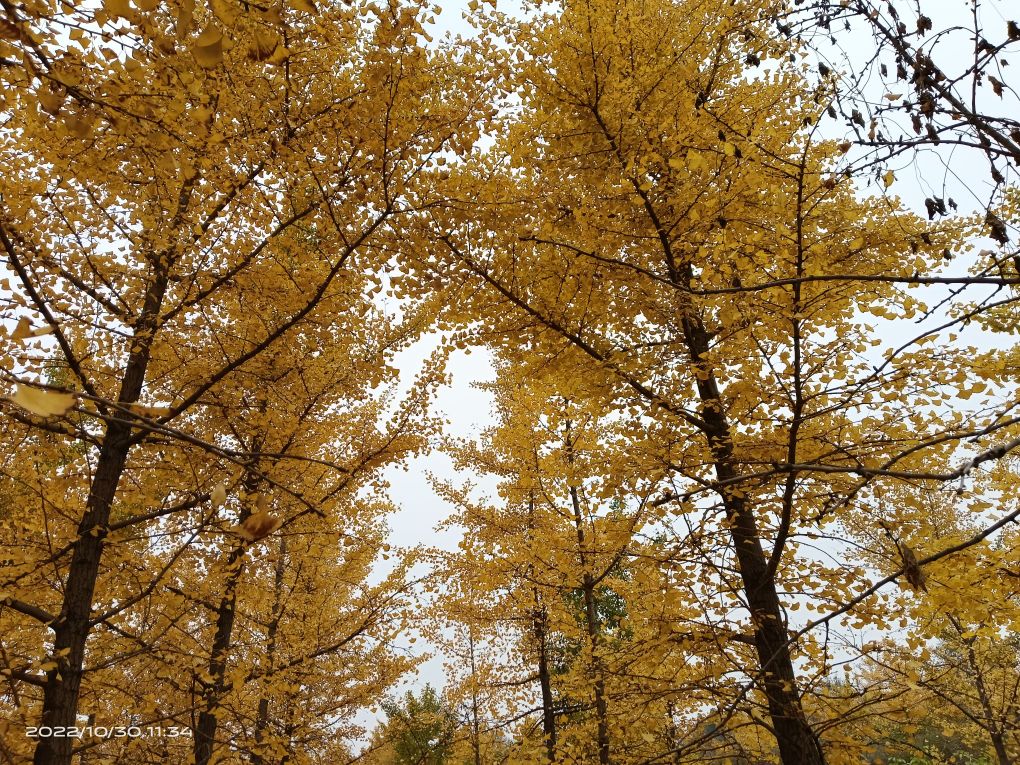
469, 410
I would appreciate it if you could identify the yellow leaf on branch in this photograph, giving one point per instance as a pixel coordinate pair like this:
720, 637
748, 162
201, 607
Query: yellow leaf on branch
117, 8
218, 495
45, 403
208, 48
225, 11
263, 44
22, 330
258, 526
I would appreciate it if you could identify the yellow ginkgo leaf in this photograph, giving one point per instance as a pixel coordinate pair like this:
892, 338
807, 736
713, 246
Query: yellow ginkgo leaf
218, 495
272, 15
258, 525
80, 124
117, 8
45, 403
308, 6
888, 178
185, 17
208, 48
146, 5
22, 330
225, 11
263, 45
51, 100
280, 55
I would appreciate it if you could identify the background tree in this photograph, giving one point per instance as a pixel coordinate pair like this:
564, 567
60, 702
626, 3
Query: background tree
682, 231
920, 77
565, 583
418, 730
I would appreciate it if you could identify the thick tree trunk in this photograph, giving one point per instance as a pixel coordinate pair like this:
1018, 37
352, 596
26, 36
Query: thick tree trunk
71, 630
73, 625
798, 744
1001, 754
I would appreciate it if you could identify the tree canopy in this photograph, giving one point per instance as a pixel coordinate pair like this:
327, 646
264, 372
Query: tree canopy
747, 274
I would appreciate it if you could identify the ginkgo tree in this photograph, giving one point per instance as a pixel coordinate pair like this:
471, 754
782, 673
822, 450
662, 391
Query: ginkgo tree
585, 635
199, 209
202, 205
960, 662
663, 207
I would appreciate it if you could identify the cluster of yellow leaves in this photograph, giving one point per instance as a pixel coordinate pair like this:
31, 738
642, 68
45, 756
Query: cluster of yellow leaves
198, 209
678, 235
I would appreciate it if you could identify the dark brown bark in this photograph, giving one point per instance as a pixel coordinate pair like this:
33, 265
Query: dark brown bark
213, 689
262, 715
539, 618
73, 625
798, 744
205, 730
540, 628
476, 743
999, 742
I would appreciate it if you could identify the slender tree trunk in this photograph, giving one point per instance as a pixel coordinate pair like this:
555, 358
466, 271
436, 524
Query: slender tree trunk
798, 744
476, 744
262, 715
540, 627
601, 707
672, 735
214, 688
205, 731
993, 730
539, 623
594, 632
73, 625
